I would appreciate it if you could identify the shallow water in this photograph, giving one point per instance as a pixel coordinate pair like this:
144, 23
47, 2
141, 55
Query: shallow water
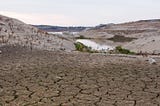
94, 45
59, 33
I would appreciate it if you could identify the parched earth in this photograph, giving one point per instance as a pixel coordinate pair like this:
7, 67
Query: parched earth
43, 78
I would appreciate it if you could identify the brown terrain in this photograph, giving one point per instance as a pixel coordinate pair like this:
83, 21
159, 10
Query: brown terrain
43, 78
38, 72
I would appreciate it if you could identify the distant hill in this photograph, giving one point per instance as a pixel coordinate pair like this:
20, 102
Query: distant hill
49, 28
138, 36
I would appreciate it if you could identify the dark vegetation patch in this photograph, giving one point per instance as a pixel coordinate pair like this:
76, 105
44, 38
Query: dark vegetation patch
126, 32
121, 50
82, 37
82, 48
118, 50
118, 38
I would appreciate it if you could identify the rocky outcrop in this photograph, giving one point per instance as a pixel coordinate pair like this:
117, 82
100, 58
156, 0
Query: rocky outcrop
15, 32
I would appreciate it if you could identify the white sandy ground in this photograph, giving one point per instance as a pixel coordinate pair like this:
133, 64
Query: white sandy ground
150, 44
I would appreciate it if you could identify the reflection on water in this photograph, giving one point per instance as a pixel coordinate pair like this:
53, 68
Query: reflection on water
94, 45
64, 33
57, 33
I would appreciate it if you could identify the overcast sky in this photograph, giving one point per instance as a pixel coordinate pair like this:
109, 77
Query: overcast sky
80, 12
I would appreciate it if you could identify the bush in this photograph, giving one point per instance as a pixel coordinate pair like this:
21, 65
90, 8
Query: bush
82, 37
121, 50
118, 50
80, 47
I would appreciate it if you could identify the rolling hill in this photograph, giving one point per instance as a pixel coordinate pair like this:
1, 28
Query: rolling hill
15, 32
139, 36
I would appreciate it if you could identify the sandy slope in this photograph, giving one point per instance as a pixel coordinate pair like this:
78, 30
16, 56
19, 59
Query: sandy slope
150, 44
15, 32
146, 31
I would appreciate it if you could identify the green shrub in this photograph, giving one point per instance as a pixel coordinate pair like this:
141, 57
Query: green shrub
80, 47
82, 37
121, 50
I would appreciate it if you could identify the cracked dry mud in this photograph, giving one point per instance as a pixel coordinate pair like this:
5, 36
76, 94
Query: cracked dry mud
74, 79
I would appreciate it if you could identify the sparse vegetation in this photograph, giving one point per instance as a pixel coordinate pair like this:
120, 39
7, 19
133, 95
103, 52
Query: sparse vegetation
118, 38
80, 47
118, 50
82, 37
121, 50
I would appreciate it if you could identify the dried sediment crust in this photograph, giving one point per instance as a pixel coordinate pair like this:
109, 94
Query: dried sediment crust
29, 78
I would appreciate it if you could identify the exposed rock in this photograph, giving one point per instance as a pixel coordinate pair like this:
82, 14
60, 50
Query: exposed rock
152, 61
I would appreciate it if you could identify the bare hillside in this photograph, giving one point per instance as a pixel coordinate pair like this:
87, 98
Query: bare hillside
137, 36
15, 32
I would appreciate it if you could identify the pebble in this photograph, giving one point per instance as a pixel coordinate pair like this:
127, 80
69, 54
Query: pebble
152, 61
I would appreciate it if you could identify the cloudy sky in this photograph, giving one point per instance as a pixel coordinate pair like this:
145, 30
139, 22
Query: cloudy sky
80, 12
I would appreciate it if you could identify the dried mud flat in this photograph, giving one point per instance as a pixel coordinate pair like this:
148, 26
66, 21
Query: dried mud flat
42, 78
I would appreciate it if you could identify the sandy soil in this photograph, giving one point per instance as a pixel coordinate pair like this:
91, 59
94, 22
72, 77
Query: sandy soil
43, 78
